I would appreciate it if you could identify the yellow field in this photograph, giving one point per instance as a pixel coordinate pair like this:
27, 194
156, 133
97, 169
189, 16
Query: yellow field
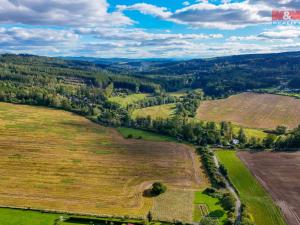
52, 159
252, 110
159, 111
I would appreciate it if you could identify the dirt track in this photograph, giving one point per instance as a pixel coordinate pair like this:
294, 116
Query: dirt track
279, 173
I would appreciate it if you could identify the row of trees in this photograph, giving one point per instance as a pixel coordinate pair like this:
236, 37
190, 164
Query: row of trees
208, 160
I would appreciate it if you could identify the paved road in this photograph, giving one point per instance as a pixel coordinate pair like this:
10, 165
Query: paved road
238, 204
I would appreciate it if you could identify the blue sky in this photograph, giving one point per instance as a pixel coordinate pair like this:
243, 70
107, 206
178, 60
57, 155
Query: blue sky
145, 28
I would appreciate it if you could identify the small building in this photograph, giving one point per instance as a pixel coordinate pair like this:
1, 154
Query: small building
235, 141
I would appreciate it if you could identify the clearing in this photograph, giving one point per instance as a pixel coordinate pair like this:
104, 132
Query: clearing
279, 173
258, 201
129, 99
253, 110
158, 111
52, 159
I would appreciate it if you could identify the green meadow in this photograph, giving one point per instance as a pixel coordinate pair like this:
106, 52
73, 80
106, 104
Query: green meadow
213, 206
129, 99
26, 217
145, 135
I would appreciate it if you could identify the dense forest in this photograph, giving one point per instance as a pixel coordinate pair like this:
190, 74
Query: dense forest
219, 76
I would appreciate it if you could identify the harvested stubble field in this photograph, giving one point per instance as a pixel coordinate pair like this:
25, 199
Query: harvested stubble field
279, 173
52, 159
264, 111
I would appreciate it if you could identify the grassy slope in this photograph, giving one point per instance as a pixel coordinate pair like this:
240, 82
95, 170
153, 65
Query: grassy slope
77, 146
160, 111
124, 101
22, 217
260, 204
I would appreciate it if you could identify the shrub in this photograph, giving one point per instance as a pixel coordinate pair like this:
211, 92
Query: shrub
228, 202
158, 188
208, 221
129, 136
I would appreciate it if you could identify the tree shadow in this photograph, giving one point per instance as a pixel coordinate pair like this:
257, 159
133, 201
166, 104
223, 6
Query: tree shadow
216, 214
148, 193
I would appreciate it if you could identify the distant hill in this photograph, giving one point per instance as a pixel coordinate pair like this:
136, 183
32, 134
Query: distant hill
109, 61
221, 75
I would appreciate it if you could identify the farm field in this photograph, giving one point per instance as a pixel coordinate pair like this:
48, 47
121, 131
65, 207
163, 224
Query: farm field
159, 111
129, 99
279, 173
52, 159
253, 110
258, 201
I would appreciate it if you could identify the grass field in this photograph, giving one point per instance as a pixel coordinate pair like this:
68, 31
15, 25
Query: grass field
129, 99
207, 205
252, 194
159, 111
51, 159
252, 110
25, 217
144, 135
250, 132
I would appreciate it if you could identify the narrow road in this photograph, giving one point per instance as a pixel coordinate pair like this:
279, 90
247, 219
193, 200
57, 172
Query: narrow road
238, 204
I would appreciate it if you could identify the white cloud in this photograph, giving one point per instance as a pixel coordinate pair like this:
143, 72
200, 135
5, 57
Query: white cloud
60, 13
186, 3
282, 32
279, 33
141, 35
224, 16
17, 36
148, 9
228, 15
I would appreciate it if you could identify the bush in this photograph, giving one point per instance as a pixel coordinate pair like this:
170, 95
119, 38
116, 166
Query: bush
208, 221
228, 202
210, 190
223, 170
158, 188
129, 136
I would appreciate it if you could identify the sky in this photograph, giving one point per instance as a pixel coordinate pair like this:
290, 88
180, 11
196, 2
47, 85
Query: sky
146, 28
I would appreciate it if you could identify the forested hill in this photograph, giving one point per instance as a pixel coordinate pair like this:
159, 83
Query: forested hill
80, 87
219, 76
26, 67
